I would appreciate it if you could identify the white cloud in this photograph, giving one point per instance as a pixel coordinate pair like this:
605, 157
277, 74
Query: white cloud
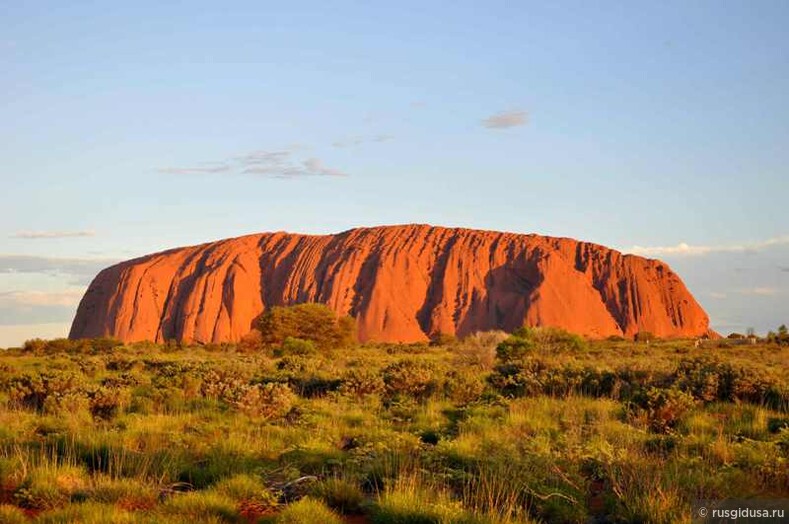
684, 249
314, 167
204, 170
50, 299
759, 291
81, 269
714, 294
38, 307
273, 164
361, 140
66, 298
505, 119
348, 142
36, 235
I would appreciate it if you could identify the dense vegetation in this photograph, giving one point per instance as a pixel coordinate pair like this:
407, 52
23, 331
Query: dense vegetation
539, 426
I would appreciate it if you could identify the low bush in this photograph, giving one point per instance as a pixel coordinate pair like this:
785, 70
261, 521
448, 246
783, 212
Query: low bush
308, 511
412, 378
339, 494
663, 408
358, 382
49, 487
296, 346
12, 515
201, 506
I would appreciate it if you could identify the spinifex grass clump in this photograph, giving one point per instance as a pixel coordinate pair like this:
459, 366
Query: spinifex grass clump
540, 426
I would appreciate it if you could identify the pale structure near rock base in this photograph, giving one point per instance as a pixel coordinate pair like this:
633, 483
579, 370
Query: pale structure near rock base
402, 283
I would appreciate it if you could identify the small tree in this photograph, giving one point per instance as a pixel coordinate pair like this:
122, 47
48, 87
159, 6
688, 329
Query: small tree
783, 335
313, 322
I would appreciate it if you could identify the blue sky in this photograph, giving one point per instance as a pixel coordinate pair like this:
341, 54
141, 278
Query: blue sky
126, 129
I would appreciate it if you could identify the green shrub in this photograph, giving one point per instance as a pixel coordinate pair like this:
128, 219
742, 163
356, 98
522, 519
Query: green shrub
776, 424
88, 513
35, 345
10, 472
105, 402
12, 515
359, 382
252, 342
417, 505
314, 322
556, 339
663, 407
50, 487
294, 364
463, 387
268, 401
308, 511
478, 350
413, 378
38, 391
439, 339
296, 346
128, 493
248, 491
199, 506
514, 348
340, 495
519, 378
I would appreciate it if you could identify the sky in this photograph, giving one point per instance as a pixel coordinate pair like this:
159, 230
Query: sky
656, 128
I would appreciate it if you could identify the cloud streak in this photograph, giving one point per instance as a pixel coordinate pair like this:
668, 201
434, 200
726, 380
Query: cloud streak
505, 119
361, 140
279, 164
28, 299
210, 170
81, 270
683, 249
38, 235
759, 291
38, 307
288, 163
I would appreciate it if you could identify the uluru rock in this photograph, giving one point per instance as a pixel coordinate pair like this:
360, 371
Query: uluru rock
401, 283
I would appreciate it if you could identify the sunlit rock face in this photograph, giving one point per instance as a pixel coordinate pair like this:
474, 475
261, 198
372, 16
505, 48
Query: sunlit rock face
402, 283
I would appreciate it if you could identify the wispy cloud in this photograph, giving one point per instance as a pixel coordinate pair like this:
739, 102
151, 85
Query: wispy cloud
315, 167
66, 298
37, 235
361, 140
684, 249
717, 295
506, 119
63, 280
279, 165
348, 142
759, 291
204, 170
38, 307
79, 270
284, 164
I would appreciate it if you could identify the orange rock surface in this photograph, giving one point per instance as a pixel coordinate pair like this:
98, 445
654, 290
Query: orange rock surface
402, 283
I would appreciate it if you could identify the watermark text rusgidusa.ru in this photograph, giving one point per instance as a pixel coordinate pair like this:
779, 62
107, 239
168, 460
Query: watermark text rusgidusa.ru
741, 510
